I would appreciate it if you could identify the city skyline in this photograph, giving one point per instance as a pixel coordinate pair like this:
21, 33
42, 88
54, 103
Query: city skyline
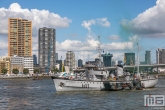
120, 24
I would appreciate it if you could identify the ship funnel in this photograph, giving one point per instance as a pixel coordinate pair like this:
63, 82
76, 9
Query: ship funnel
119, 70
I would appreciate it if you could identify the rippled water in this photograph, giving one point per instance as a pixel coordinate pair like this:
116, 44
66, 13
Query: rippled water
28, 94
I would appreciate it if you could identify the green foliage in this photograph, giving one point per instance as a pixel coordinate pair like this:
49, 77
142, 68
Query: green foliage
55, 70
15, 71
36, 70
4, 70
25, 71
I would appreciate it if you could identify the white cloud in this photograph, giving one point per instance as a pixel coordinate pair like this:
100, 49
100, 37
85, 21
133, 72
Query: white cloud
39, 18
114, 37
88, 47
100, 21
150, 21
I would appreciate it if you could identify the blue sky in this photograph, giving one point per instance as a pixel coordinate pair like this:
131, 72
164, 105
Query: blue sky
119, 23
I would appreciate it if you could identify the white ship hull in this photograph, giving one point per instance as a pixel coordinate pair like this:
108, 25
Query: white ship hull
149, 83
73, 85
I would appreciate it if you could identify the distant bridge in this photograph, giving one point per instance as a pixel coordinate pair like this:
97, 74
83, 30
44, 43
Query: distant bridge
135, 66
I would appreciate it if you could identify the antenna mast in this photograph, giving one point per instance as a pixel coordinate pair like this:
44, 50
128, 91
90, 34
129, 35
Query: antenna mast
138, 60
99, 51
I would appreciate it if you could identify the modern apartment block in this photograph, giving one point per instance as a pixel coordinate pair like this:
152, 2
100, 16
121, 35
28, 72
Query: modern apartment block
19, 37
129, 58
160, 56
46, 49
70, 60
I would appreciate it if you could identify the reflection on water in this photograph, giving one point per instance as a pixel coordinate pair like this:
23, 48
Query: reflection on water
40, 94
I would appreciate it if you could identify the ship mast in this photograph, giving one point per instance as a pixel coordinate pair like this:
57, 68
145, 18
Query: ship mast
99, 51
138, 60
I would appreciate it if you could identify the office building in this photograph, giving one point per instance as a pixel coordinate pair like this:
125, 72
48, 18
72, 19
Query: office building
160, 56
129, 58
5, 63
34, 59
56, 56
28, 64
70, 60
107, 59
46, 49
19, 37
17, 62
148, 57
80, 63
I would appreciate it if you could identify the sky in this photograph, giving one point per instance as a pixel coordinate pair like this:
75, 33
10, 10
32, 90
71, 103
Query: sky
121, 24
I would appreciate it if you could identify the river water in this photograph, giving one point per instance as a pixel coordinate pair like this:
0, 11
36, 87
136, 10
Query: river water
28, 94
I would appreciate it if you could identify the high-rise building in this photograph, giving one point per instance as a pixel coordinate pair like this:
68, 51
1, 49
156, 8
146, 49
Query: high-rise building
148, 57
70, 60
160, 56
80, 63
56, 56
107, 59
34, 59
19, 37
129, 58
46, 49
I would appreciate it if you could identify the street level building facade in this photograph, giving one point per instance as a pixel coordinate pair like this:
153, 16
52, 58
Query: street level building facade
129, 58
28, 64
5, 63
46, 49
17, 62
19, 37
70, 60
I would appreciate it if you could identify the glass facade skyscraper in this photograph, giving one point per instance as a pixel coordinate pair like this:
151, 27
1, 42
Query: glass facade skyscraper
148, 57
129, 58
80, 63
34, 59
107, 59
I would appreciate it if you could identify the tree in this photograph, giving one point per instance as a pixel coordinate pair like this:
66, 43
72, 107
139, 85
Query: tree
15, 71
55, 70
25, 71
4, 70
36, 70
